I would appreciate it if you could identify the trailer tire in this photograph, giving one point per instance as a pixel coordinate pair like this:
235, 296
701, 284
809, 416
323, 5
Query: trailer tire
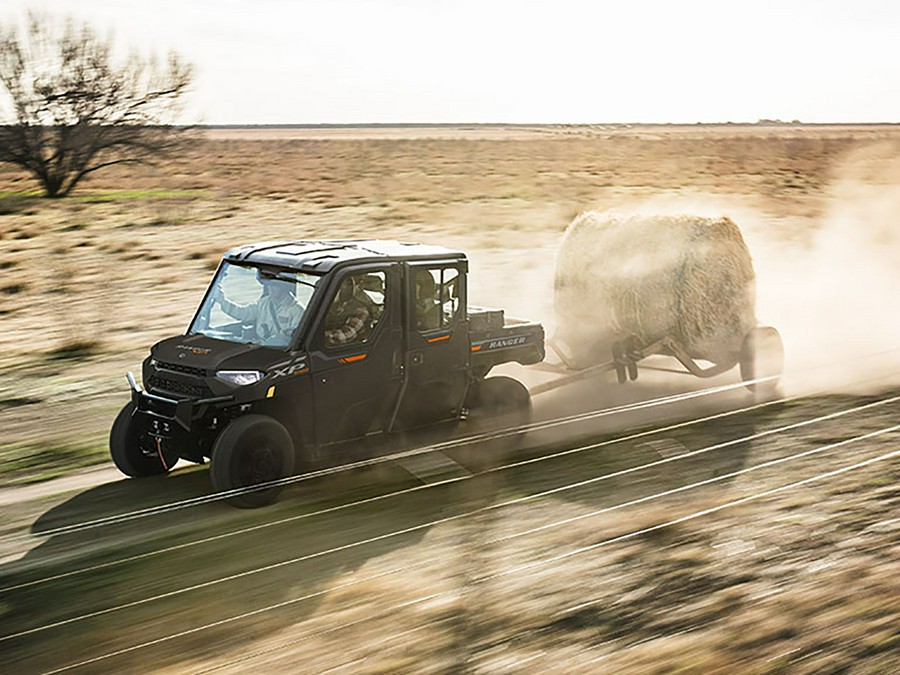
125, 448
762, 355
253, 449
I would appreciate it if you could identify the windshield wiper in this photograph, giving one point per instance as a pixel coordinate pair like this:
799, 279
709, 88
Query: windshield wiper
286, 276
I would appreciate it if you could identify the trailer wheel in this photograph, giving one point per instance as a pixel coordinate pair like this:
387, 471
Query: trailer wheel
127, 454
762, 355
253, 449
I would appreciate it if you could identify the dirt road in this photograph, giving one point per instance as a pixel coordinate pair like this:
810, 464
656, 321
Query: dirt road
560, 560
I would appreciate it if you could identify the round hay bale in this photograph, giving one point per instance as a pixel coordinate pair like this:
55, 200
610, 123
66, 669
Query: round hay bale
685, 277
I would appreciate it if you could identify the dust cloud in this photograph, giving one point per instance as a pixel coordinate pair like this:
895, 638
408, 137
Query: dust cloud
829, 283
834, 297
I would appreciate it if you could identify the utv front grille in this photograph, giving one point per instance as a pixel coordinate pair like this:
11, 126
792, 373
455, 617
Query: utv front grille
185, 389
181, 368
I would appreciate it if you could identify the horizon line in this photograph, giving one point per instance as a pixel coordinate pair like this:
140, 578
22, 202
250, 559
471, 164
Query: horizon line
345, 125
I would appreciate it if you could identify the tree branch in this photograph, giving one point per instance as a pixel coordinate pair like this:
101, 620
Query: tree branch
75, 111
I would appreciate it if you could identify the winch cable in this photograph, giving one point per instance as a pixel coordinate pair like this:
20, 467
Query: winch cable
505, 573
160, 453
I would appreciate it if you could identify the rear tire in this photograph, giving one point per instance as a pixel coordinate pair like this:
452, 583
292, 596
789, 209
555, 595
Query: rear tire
125, 448
498, 403
494, 404
762, 356
253, 449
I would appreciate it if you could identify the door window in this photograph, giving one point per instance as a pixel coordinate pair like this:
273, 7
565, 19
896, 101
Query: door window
356, 310
436, 297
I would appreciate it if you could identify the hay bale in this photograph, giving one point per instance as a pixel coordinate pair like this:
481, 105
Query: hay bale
686, 277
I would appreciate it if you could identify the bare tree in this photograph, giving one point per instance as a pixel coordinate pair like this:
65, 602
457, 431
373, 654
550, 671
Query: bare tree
70, 108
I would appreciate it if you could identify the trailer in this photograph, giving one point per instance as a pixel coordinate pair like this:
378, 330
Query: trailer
760, 362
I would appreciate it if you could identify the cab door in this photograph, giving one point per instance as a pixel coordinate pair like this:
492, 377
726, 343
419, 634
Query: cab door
356, 360
437, 343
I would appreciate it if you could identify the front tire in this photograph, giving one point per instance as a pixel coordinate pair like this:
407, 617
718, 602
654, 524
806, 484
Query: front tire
127, 453
252, 450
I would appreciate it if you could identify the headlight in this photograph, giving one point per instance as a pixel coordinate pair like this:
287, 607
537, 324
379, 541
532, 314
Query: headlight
239, 377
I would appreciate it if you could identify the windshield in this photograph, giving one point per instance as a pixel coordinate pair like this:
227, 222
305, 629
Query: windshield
257, 305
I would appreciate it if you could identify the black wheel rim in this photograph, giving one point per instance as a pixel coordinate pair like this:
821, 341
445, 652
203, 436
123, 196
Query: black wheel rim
260, 463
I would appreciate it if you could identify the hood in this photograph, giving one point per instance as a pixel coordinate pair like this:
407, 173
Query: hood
200, 351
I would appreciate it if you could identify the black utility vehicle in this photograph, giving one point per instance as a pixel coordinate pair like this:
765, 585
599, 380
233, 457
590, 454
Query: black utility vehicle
299, 346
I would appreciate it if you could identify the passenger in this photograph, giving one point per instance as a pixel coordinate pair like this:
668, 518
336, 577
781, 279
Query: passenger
349, 318
428, 313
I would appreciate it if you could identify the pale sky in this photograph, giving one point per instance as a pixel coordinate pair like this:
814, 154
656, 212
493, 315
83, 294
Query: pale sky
519, 61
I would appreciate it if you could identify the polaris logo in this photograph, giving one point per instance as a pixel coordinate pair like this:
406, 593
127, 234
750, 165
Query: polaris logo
197, 351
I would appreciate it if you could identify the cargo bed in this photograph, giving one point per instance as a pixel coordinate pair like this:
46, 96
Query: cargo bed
497, 339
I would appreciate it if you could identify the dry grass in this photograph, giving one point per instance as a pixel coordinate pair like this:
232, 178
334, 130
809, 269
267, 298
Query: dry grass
800, 582
122, 263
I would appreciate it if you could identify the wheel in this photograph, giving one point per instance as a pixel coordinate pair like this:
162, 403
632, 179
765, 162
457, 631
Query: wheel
251, 450
498, 403
618, 357
494, 404
762, 355
127, 453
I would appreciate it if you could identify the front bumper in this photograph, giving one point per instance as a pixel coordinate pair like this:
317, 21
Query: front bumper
184, 412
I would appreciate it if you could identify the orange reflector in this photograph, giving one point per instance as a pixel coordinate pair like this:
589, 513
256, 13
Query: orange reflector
351, 359
439, 338
271, 392
476, 348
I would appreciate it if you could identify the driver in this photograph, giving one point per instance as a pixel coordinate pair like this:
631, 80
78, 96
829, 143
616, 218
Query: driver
275, 315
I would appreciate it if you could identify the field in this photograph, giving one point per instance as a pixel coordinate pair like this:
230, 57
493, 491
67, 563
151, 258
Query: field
794, 580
